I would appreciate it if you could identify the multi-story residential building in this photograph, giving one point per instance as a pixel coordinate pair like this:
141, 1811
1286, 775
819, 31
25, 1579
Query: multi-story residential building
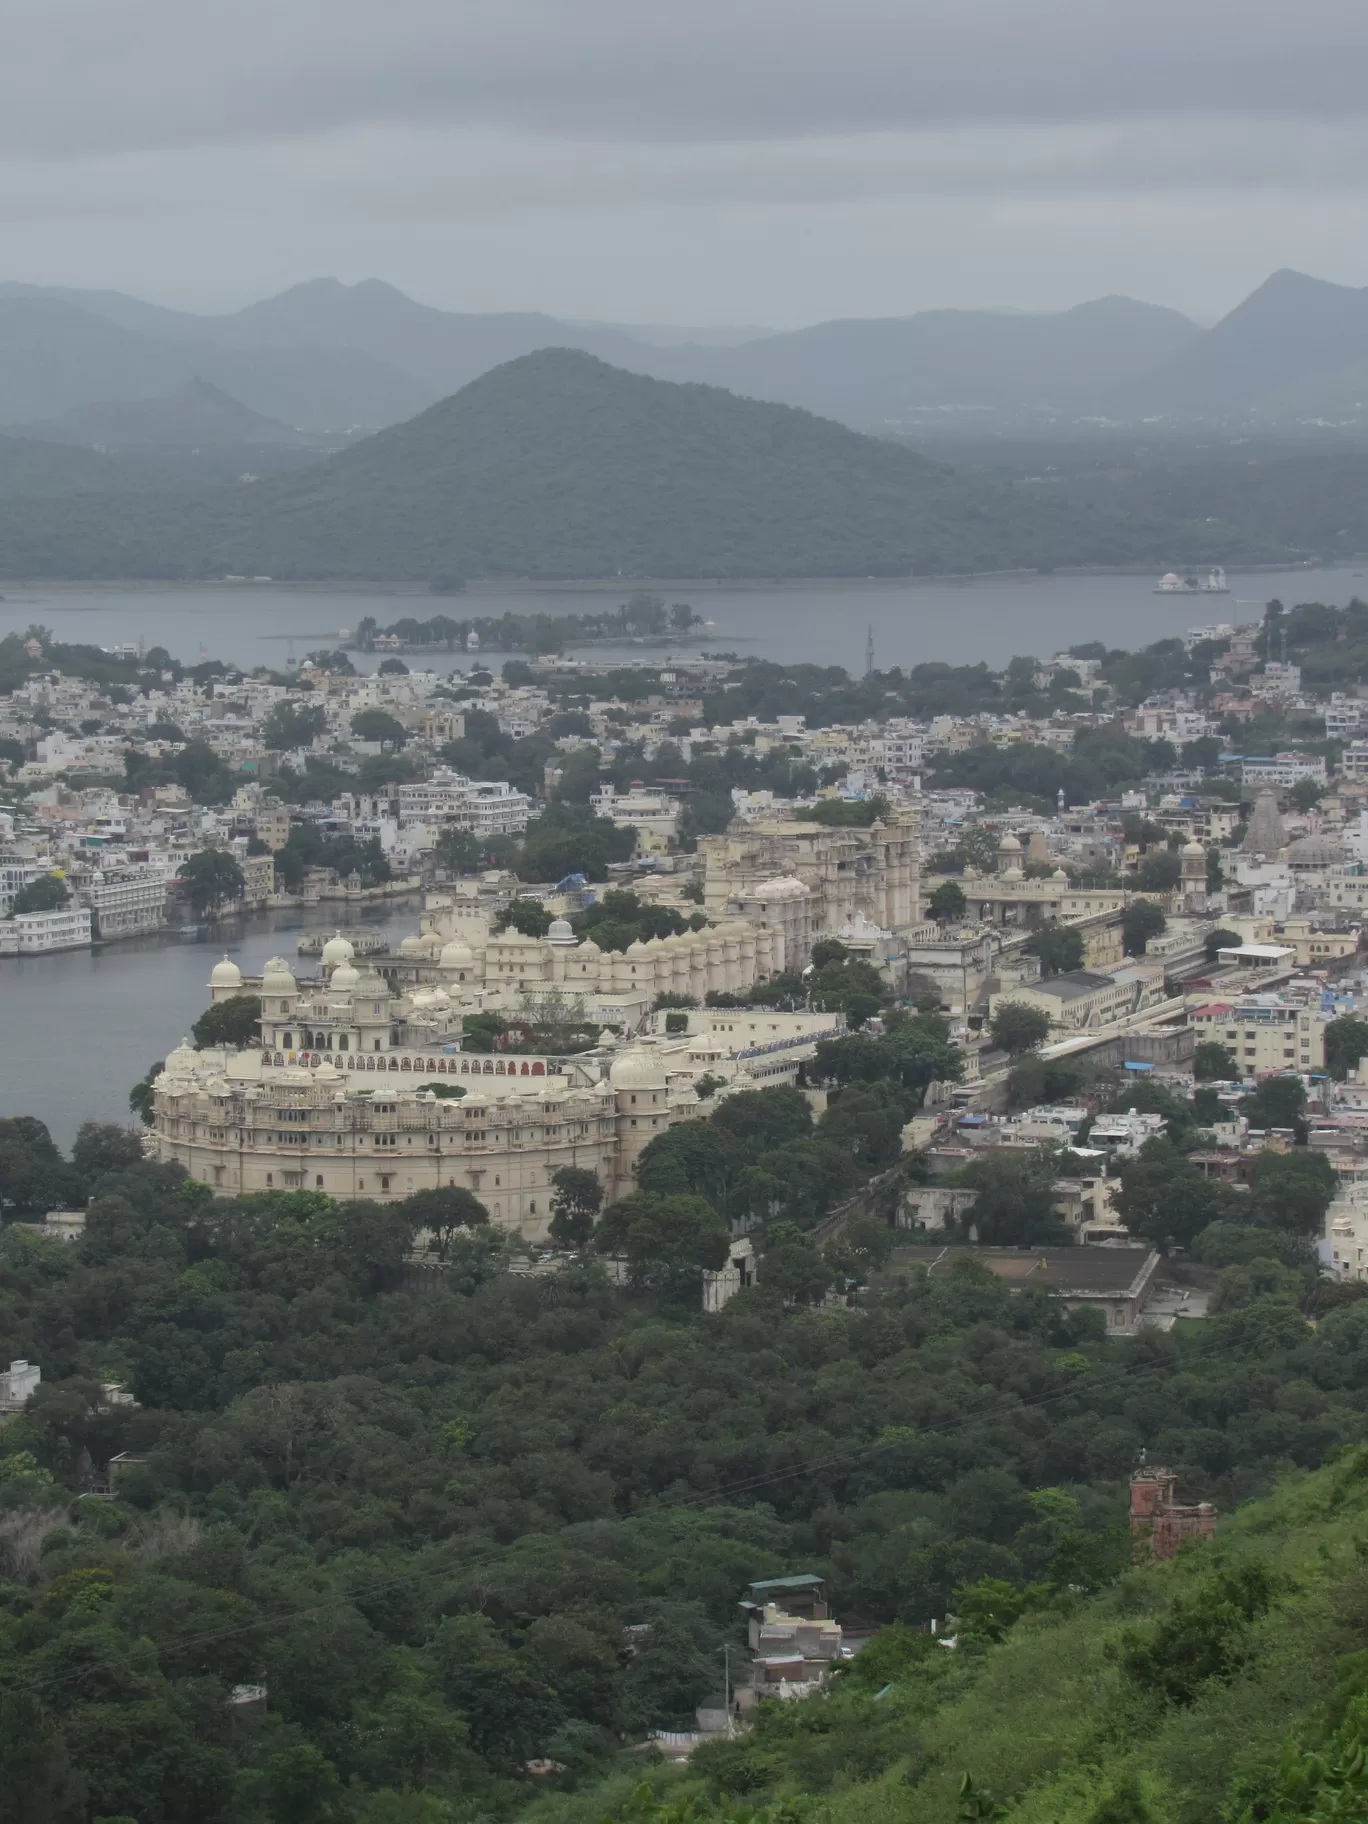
1345, 716
1269, 1034
653, 815
1282, 769
126, 902
36, 933
485, 807
16, 872
1277, 680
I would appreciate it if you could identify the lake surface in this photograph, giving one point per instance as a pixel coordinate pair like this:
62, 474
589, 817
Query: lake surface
80, 1028
989, 618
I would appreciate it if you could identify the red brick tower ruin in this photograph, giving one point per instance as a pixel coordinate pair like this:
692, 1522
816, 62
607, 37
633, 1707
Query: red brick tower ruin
1158, 1520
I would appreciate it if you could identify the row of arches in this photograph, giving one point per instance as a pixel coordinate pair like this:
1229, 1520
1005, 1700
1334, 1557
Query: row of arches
468, 1067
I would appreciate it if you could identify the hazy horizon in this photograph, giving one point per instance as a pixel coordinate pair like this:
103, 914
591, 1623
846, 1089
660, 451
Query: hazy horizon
742, 163
726, 330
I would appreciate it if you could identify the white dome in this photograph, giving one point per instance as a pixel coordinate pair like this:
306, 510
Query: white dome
371, 982
182, 1061
783, 886
637, 1069
1194, 848
1009, 845
344, 978
225, 974
560, 931
411, 945
1060, 876
276, 977
336, 950
456, 955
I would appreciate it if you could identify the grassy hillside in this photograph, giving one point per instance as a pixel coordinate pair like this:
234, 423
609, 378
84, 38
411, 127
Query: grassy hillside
1207, 1689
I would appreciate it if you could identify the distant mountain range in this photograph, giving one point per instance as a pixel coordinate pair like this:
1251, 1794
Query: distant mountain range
558, 465
330, 359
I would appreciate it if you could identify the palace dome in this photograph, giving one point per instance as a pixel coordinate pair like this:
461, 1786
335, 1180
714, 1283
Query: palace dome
344, 978
182, 1061
560, 931
456, 955
637, 1069
276, 977
336, 950
225, 974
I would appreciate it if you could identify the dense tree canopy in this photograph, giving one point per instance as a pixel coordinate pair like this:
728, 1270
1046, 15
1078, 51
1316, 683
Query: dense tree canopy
422, 1511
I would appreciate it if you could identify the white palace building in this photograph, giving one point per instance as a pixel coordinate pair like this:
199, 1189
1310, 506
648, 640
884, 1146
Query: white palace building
361, 1086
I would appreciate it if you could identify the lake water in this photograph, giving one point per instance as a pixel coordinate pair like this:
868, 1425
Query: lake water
79, 1028
988, 618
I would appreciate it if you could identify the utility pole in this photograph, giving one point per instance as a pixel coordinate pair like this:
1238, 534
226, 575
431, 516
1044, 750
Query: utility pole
869, 650
726, 1683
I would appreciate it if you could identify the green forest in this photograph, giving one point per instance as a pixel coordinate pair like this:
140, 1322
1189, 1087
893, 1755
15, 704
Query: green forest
477, 1532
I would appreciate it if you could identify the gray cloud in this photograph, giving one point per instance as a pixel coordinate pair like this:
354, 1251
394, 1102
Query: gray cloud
78, 75
781, 158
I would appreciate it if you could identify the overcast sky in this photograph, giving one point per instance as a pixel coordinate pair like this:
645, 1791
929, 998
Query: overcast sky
702, 161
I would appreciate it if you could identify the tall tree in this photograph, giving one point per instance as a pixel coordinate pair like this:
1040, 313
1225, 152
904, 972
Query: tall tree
212, 877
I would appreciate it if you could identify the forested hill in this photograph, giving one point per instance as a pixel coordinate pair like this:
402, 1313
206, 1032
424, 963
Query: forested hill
557, 465
425, 1516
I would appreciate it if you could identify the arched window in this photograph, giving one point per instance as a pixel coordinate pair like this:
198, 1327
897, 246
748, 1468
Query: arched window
489, 1067
405, 1065
286, 1041
432, 1064
394, 1063
524, 1070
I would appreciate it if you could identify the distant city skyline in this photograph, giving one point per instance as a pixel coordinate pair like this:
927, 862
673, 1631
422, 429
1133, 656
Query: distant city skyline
751, 163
